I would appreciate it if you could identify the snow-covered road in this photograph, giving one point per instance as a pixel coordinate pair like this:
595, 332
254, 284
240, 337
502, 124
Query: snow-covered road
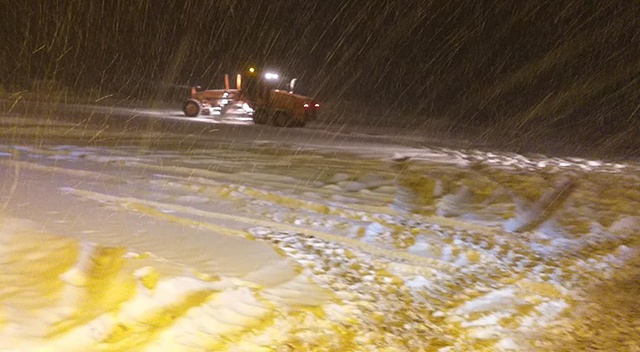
269, 240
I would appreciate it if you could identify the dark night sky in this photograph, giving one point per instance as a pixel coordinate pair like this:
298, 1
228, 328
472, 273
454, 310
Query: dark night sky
477, 60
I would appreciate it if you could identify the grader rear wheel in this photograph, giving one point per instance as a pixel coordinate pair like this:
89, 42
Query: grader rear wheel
260, 116
284, 119
281, 119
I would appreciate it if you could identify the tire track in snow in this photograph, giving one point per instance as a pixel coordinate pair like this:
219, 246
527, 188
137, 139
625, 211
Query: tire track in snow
519, 283
155, 209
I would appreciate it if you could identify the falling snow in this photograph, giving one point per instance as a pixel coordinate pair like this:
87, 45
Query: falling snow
471, 182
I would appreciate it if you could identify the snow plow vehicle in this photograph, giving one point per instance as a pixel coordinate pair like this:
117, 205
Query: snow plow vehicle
259, 95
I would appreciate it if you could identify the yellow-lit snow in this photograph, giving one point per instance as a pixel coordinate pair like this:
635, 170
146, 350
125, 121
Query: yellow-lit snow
107, 248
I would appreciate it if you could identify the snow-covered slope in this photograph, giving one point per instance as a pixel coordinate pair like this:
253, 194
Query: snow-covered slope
262, 248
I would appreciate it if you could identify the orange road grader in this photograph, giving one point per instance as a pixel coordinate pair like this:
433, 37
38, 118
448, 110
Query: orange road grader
260, 95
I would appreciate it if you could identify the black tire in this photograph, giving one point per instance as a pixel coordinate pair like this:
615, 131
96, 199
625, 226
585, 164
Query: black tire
260, 116
282, 119
192, 108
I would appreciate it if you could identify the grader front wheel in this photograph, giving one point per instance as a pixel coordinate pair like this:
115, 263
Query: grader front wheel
192, 108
